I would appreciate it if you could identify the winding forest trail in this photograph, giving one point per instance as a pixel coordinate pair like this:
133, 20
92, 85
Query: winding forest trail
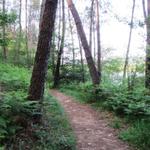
90, 127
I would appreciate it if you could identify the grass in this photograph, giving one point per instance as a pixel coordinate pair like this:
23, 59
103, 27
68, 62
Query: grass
138, 135
78, 96
18, 129
54, 133
61, 136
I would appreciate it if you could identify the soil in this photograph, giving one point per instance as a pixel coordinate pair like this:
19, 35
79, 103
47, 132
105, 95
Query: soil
91, 129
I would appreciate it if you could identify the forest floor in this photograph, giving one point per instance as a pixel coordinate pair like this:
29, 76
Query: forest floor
91, 128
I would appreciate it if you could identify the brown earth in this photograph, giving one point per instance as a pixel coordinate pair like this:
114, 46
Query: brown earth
90, 127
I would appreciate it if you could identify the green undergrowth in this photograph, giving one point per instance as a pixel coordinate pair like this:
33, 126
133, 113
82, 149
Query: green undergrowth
133, 106
138, 134
19, 129
60, 136
53, 133
14, 78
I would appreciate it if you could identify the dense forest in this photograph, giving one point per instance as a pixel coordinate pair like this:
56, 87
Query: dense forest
74, 74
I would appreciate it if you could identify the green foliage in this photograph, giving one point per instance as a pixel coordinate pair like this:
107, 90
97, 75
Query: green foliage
54, 133
12, 106
68, 75
85, 92
134, 103
5, 20
113, 65
60, 135
116, 123
17, 121
116, 98
13, 103
138, 135
14, 78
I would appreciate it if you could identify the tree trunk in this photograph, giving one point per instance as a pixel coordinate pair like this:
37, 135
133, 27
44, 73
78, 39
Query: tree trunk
72, 42
129, 43
20, 31
53, 47
4, 34
57, 70
59, 25
36, 90
144, 9
82, 63
98, 40
26, 25
91, 25
94, 43
42, 12
88, 55
147, 70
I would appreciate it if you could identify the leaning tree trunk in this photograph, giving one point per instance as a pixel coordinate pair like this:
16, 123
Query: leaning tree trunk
57, 70
147, 70
129, 43
36, 89
88, 55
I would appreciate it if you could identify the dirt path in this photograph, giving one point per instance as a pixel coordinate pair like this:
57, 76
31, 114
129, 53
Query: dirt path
92, 131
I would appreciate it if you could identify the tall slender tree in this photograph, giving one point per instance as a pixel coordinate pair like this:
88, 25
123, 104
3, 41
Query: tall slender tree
72, 42
82, 61
36, 89
129, 42
94, 41
98, 40
91, 24
59, 24
20, 31
88, 55
57, 70
4, 33
26, 25
147, 70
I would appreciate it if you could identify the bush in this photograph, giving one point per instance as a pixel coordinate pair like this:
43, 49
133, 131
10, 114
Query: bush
133, 104
15, 112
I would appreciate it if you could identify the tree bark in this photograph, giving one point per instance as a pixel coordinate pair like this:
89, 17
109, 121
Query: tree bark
26, 25
88, 55
59, 25
72, 42
129, 43
147, 70
94, 42
20, 31
82, 62
57, 70
144, 9
98, 41
91, 24
36, 89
